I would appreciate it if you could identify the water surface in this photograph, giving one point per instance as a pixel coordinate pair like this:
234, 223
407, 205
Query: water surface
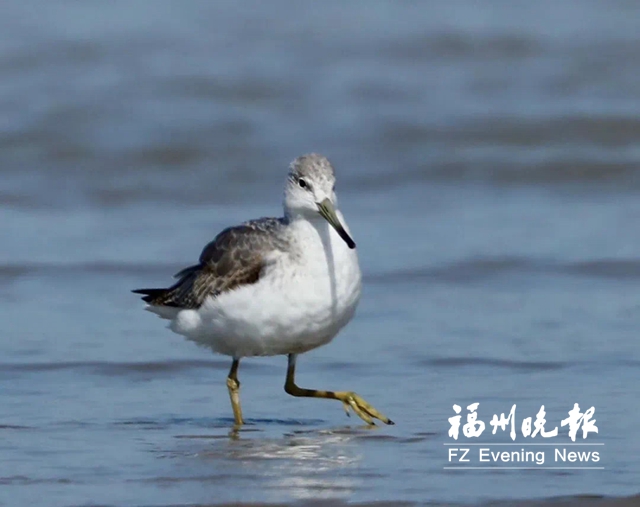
487, 158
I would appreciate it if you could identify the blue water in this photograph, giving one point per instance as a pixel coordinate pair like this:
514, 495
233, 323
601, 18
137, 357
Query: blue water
487, 158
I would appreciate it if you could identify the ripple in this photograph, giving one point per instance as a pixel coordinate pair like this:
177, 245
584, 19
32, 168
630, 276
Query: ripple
485, 268
16, 270
14, 427
120, 368
456, 362
22, 480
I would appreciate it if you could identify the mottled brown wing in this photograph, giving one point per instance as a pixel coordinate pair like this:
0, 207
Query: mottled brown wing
234, 258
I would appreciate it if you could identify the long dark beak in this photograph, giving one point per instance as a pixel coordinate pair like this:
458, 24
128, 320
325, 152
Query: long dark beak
328, 212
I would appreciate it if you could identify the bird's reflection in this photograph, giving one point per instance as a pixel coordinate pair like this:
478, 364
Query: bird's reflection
299, 464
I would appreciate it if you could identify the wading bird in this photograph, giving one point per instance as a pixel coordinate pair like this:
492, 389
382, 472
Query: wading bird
273, 286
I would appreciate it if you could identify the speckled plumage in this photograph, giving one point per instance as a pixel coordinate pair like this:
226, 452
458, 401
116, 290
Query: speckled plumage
312, 166
234, 258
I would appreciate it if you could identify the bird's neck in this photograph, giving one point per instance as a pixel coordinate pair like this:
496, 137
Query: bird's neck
317, 235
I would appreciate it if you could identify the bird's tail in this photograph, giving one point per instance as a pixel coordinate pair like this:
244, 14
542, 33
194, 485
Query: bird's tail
151, 295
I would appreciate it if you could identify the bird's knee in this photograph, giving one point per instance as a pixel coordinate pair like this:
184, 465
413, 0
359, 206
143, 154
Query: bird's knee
233, 384
290, 388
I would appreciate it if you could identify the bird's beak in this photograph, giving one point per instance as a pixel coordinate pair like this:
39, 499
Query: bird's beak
328, 212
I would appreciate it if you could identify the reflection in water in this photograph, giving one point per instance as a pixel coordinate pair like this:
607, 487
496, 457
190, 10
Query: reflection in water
317, 464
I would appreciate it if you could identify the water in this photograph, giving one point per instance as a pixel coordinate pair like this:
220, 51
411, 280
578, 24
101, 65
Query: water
487, 157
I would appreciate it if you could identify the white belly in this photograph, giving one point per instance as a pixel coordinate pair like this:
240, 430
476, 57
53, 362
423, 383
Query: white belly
300, 303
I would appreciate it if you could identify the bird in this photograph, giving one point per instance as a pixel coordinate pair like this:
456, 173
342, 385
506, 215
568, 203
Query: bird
274, 286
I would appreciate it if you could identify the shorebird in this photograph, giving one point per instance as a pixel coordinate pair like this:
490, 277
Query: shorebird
273, 286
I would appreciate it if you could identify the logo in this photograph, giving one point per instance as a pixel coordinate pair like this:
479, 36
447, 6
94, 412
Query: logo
536, 451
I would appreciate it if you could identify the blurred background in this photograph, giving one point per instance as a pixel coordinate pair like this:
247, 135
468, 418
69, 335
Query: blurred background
487, 159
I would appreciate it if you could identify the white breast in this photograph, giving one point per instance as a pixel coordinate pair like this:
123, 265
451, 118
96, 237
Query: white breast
302, 300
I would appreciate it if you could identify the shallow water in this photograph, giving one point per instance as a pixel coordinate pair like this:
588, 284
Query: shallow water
488, 166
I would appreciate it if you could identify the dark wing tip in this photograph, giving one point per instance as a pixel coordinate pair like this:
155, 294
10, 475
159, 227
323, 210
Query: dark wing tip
150, 295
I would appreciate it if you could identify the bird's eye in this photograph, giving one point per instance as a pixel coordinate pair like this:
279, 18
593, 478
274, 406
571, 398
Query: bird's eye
302, 183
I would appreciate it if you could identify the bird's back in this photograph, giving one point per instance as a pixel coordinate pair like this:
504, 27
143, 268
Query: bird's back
233, 259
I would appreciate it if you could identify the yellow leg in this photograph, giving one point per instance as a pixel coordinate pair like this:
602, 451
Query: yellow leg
233, 384
349, 399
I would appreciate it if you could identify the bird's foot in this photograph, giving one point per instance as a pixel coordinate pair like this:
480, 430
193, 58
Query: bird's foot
366, 412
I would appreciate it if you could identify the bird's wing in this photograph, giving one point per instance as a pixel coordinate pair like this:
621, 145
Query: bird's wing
234, 258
